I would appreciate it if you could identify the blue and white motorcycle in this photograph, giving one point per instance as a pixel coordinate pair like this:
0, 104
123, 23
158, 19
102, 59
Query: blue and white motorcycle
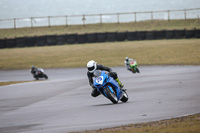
108, 87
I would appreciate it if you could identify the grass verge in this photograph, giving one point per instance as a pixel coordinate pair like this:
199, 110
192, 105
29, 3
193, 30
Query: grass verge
12, 82
107, 27
185, 124
154, 52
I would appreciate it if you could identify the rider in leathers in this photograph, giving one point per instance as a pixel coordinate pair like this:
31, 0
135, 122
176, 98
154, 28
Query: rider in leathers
34, 70
92, 66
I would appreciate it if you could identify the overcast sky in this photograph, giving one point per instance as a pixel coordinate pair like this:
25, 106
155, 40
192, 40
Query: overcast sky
36, 8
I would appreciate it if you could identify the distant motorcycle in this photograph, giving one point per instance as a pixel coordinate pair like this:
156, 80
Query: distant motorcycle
107, 86
39, 73
133, 66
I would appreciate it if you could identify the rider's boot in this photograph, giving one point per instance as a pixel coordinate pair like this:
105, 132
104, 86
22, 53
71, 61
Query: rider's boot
120, 84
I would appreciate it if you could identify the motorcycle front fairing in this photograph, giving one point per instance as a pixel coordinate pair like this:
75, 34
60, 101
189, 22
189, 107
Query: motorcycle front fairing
115, 85
104, 80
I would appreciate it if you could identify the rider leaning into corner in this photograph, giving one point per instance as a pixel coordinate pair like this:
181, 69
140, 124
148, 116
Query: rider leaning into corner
34, 70
92, 66
131, 65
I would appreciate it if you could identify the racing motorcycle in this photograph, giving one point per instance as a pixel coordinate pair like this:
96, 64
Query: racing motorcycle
108, 87
133, 66
39, 73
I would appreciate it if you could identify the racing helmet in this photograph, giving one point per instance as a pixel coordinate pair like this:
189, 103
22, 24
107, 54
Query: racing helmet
92, 66
126, 59
32, 67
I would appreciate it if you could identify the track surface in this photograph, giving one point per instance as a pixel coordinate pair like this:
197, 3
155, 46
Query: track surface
64, 104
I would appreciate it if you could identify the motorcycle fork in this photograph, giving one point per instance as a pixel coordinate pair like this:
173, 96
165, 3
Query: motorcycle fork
112, 88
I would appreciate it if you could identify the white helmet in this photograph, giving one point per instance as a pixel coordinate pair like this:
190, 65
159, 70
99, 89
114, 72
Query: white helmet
92, 66
126, 59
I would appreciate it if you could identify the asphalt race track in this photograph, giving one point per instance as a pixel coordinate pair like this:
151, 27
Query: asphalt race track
64, 104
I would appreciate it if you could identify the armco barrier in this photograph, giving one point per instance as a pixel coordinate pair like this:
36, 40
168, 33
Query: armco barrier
2, 43
141, 35
101, 37
61, 39
10, 43
30, 41
131, 36
150, 35
71, 38
91, 37
111, 36
81, 38
121, 36
51, 39
179, 34
160, 34
21, 42
189, 34
170, 34
40, 41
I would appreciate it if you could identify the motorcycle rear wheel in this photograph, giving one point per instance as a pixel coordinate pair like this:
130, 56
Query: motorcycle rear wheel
45, 76
125, 97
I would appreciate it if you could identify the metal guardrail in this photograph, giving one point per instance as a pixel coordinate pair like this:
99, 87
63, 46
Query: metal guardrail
99, 18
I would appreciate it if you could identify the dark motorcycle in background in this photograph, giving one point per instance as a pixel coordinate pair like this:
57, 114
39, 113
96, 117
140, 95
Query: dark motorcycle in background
39, 73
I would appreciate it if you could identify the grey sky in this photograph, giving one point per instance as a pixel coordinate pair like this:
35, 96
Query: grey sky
36, 8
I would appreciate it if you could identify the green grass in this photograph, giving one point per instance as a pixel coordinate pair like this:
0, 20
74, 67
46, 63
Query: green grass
186, 124
154, 52
12, 82
110, 27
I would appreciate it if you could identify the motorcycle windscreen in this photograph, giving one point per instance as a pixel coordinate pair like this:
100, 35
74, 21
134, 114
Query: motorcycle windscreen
99, 80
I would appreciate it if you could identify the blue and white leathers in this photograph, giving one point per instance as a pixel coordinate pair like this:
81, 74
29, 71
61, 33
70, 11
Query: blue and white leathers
103, 82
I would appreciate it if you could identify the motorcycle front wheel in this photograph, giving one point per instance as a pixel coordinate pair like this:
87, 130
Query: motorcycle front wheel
111, 95
36, 77
137, 70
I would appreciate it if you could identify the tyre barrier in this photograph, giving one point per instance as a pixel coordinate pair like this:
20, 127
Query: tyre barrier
51, 39
121, 36
71, 38
150, 35
111, 36
91, 37
10, 43
40, 41
160, 34
197, 33
61, 39
141, 35
2, 43
101, 37
97, 37
189, 34
21, 42
170, 34
81, 38
30, 41
131, 36
179, 34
